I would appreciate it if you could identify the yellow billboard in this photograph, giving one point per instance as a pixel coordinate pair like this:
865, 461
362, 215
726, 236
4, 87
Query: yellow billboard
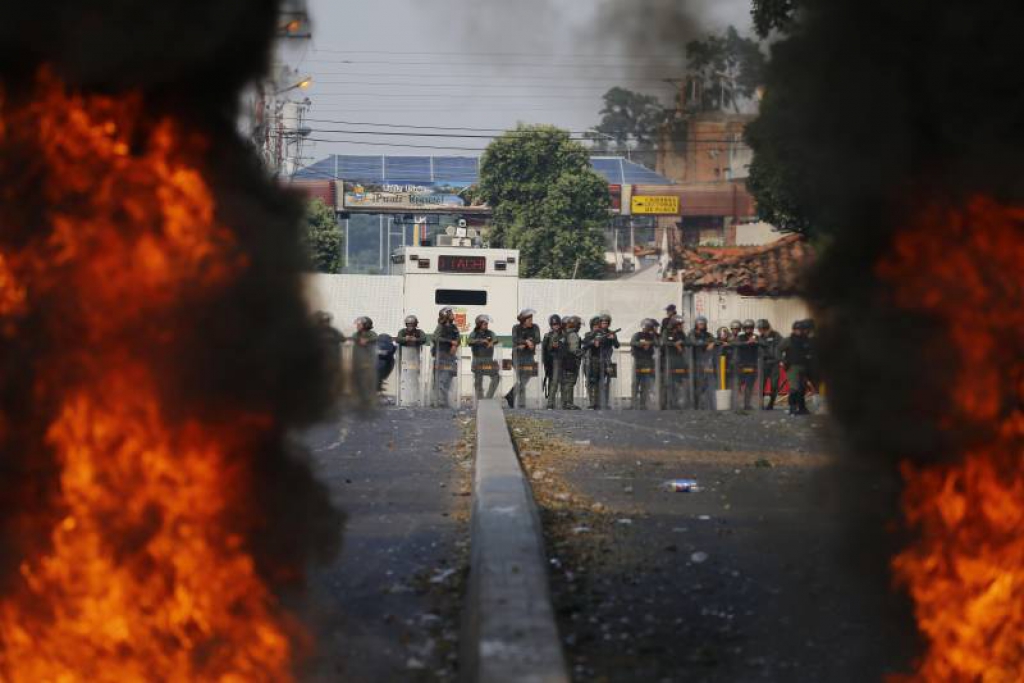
657, 205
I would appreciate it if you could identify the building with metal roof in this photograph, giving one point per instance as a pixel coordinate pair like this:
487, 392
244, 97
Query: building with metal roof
450, 170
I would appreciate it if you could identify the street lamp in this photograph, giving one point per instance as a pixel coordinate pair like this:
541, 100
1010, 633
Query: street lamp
299, 85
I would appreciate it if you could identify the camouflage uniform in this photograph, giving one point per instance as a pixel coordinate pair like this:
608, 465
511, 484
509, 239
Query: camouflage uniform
481, 342
642, 346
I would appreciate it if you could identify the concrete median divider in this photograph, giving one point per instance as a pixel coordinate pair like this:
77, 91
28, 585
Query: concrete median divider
509, 631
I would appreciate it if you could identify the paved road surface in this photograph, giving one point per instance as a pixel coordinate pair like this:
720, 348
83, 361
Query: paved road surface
387, 609
749, 579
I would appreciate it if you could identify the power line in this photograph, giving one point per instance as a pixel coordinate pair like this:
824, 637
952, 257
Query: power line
488, 84
527, 65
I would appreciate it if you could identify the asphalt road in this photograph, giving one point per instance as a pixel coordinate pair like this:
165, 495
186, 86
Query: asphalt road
387, 609
752, 578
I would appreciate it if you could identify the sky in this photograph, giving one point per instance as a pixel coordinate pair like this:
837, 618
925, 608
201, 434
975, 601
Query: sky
441, 76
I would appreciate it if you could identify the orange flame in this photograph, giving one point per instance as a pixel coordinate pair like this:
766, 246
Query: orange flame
146, 574
965, 571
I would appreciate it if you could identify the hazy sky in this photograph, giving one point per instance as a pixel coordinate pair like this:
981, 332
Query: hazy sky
485, 64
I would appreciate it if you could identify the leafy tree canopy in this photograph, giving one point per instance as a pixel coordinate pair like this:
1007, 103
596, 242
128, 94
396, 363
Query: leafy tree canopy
547, 201
322, 237
722, 70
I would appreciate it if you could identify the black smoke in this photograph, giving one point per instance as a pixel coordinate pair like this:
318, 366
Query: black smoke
252, 349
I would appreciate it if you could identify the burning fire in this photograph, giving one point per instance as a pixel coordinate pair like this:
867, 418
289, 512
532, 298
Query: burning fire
145, 573
965, 571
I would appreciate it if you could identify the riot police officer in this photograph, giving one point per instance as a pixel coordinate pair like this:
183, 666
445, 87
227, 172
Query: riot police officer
331, 340
445, 350
735, 327
769, 340
703, 344
600, 345
642, 347
747, 352
796, 358
552, 347
570, 361
411, 336
525, 339
677, 363
364, 357
481, 342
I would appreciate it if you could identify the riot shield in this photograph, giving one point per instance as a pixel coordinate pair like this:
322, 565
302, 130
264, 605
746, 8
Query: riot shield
745, 375
677, 380
551, 383
609, 394
486, 374
410, 377
527, 389
644, 380
444, 377
364, 374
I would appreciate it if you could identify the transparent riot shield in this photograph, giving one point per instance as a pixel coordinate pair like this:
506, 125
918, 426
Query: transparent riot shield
609, 393
745, 373
644, 379
444, 376
677, 378
486, 374
410, 383
364, 374
706, 378
657, 389
552, 382
527, 389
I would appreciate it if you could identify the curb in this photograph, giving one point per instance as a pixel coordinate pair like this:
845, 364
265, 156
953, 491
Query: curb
508, 631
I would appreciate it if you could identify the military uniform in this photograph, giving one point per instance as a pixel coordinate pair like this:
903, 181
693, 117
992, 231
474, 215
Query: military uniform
704, 361
525, 341
642, 346
445, 350
599, 346
552, 352
482, 342
746, 353
677, 367
364, 362
797, 357
570, 364
411, 338
770, 342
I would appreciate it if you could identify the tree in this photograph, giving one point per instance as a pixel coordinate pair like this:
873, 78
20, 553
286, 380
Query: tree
629, 118
322, 237
547, 201
770, 15
722, 70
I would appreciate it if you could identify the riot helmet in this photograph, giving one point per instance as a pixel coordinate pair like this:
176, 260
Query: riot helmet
735, 326
411, 320
594, 321
649, 323
677, 321
748, 324
364, 322
723, 333
446, 314
701, 323
482, 320
554, 319
605, 318
525, 314
323, 317
763, 324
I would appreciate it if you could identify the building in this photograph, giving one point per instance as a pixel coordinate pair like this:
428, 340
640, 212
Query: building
386, 202
735, 283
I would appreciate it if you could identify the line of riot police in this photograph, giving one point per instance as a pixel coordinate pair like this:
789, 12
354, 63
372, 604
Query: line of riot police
673, 368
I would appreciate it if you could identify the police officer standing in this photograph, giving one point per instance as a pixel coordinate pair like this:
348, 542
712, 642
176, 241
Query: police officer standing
525, 340
446, 346
703, 345
642, 346
570, 361
677, 363
770, 340
552, 348
331, 340
481, 342
600, 345
747, 353
411, 336
364, 357
796, 358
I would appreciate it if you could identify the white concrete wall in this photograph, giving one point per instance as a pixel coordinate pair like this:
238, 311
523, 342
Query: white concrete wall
347, 297
627, 302
722, 307
756, 234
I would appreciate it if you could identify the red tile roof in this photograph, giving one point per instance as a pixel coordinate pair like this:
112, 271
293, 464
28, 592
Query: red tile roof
772, 269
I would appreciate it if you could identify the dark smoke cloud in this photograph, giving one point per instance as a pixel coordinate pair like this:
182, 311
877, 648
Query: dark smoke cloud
878, 109
251, 348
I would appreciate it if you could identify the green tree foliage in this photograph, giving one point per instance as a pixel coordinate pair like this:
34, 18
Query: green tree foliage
773, 15
722, 70
629, 120
323, 238
547, 201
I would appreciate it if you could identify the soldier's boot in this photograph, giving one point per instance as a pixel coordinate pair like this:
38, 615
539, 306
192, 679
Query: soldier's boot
510, 398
